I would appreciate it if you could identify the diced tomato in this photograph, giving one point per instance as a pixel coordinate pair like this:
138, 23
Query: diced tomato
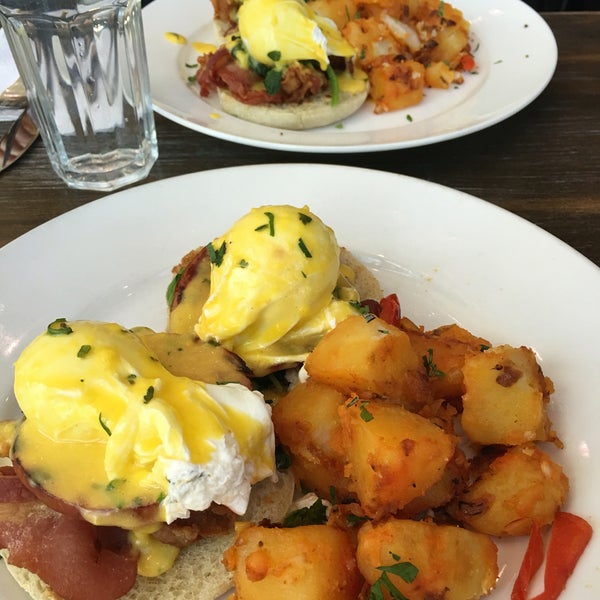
467, 62
390, 309
570, 535
534, 556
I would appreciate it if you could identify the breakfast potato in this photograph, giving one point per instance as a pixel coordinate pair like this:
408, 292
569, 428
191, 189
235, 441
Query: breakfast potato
443, 351
506, 397
304, 563
370, 358
521, 486
395, 85
393, 456
452, 563
439, 75
307, 423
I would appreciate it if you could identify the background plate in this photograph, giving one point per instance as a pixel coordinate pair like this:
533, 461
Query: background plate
450, 257
515, 51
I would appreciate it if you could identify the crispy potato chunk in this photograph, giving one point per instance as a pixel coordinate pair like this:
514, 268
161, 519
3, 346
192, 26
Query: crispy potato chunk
443, 353
396, 85
452, 563
307, 424
519, 487
506, 397
394, 456
370, 358
304, 563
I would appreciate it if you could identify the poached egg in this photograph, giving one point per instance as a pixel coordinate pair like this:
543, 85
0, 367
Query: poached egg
274, 287
278, 32
107, 428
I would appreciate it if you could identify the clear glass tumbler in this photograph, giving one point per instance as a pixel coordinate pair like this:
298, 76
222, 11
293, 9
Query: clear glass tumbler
84, 66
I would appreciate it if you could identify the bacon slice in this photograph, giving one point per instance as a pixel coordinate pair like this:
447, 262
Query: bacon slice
219, 70
76, 559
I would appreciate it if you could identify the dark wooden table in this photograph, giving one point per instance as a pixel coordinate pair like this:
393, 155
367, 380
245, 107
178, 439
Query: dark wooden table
542, 164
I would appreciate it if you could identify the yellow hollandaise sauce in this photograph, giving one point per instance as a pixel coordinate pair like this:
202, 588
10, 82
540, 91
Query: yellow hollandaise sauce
273, 277
108, 429
278, 32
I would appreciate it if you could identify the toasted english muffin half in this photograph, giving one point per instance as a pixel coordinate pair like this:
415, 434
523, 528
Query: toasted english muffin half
317, 111
198, 572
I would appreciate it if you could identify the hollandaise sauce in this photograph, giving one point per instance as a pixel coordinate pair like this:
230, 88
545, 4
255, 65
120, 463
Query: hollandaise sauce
272, 284
108, 429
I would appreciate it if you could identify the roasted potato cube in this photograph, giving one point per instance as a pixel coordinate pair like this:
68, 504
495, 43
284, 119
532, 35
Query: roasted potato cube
396, 85
372, 359
443, 353
307, 423
506, 397
394, 456
452, 563
519, 487
304, 563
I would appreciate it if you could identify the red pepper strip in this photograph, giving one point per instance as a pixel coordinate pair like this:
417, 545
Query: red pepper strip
570, 535
467, 62
390, 309
534, 556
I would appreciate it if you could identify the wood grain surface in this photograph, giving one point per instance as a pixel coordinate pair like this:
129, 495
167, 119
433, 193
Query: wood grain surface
542, 163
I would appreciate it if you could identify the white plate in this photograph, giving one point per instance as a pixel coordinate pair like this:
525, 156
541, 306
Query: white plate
450, 257
514, 48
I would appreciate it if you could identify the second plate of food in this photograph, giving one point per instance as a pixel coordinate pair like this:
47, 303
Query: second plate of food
514, 48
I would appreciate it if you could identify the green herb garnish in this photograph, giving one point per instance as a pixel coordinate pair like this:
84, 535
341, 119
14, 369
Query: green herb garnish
274, 55
59, 327
104, 425
172, 286
334, 85
84, 351
405, 570
216, 254
430, 367
149, 394
315, 514
304, 249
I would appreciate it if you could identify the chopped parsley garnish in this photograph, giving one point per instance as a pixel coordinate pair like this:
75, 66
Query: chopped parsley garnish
305, 219
131, 378
59, 327
483, 347
274, 55
405, 570
409, 118
430, 367
216, 254
273, 81
243, 263
114, 483
149, 394
304, 249
84, 351
173, 285
104, 425
315, 514
270, 225
365, 415
334, 85
440, 11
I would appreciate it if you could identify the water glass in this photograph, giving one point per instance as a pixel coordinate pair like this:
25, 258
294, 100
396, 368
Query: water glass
83, 63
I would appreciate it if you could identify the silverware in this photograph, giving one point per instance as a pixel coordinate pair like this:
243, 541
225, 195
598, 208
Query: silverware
23, 131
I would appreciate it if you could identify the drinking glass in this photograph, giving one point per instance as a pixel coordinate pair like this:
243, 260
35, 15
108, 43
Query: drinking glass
83, 63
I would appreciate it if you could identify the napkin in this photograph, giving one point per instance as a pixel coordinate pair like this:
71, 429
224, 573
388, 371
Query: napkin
8, 75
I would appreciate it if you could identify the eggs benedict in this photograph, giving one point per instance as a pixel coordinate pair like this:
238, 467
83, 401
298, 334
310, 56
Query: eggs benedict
269, 288
281, 64
113, 437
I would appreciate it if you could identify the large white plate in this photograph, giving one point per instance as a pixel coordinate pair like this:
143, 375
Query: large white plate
451, 258
514, 48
